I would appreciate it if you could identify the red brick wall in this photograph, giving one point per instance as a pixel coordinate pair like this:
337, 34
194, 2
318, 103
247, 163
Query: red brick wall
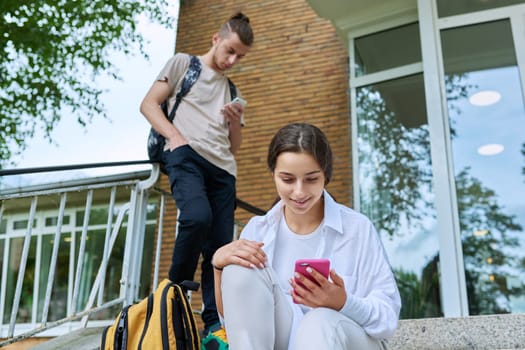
295, 71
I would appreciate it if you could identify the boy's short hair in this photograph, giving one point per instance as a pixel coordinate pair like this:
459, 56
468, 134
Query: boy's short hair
240, 24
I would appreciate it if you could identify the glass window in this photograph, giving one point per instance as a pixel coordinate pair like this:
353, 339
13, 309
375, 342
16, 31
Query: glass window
2, 245
53, 221
152, 211
387, 49
13, 266
92, 259
395, 186
147, 260
458, 7
22, 224
97, 216
487, 123
114, 270
59, 293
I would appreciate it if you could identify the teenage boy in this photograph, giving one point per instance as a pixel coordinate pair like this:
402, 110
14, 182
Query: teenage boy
199, 158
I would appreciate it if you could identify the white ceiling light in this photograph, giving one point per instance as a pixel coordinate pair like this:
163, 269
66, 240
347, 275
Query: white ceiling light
480, 233
490, 149
485, 98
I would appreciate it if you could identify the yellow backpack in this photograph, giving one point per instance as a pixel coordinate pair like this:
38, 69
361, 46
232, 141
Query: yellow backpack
164, 321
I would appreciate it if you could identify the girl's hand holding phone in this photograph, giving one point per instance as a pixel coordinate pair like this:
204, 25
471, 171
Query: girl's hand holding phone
314, 289
320, 265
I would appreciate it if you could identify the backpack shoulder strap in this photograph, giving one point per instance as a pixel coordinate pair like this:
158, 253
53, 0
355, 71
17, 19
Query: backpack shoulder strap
233, 89
191, 76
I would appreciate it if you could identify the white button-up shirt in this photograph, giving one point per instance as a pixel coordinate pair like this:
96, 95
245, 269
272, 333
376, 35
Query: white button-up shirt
356, 253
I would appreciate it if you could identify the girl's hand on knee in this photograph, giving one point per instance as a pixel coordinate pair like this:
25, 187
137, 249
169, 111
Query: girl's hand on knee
240, 252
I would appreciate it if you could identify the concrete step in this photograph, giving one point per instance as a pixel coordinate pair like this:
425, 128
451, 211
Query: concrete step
494, 332
475, 332
81, 339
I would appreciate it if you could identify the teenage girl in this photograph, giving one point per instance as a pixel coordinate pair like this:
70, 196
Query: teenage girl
257, 291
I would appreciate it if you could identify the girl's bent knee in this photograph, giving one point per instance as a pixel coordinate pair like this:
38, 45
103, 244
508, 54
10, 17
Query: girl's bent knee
240, 278
235, 275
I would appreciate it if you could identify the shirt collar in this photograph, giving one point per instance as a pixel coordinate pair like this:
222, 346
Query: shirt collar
332, 214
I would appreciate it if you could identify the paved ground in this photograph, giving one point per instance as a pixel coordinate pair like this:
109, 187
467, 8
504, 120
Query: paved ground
494, 332
83, 339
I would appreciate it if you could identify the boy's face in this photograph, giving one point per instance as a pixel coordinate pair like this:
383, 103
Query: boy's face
227, 51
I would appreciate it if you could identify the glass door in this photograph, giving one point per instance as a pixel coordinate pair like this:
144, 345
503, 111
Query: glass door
486, 118
392, 157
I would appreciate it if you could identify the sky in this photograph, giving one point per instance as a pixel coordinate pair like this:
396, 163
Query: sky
121, 138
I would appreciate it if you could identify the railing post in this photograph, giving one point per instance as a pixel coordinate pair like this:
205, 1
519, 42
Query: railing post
54, 257
22, 270
3, 283
105, 256
159, 240
135, 236
76, 290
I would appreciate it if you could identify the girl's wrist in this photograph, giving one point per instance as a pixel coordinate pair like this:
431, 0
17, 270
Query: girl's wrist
215, 267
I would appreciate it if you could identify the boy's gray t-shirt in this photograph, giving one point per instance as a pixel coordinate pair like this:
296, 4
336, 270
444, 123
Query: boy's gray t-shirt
198, 117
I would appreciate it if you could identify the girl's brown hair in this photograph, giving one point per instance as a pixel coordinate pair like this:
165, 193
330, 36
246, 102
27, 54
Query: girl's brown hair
302, 137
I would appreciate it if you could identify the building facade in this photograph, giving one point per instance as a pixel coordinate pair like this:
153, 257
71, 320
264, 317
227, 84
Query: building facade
423, 104
296, 71
422, 101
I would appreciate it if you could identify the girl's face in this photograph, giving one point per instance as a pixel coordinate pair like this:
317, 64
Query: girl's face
299, 181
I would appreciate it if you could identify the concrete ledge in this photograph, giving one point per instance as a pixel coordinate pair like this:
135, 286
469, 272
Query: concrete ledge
82, 339
475, 332
494, 332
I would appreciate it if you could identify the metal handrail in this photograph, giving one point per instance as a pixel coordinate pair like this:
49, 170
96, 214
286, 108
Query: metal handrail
135, 229
135, 210
21, 171
9, 172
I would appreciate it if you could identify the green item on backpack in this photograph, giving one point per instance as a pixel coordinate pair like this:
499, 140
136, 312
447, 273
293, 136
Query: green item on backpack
164, 321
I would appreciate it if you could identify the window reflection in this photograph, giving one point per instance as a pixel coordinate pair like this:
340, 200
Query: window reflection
458, 7
487, 141
396, 187
387, 49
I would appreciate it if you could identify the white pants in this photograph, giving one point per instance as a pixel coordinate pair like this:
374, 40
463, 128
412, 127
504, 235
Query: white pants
258, 317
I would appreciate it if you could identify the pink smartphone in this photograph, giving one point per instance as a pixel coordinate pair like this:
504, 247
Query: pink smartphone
320, 265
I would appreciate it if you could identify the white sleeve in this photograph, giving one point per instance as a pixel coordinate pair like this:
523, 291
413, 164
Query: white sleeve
377, 303
249, 232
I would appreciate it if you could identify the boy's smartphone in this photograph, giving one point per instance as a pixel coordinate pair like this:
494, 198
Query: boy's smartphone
320, 265
240, 101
